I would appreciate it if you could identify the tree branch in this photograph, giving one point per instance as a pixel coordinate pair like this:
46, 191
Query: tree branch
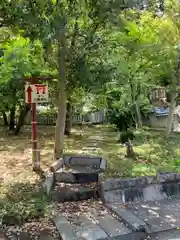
73, 40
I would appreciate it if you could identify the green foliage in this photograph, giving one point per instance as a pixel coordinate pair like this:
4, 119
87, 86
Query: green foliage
120, 110
26, 204
48, 112
19, 58
125, 136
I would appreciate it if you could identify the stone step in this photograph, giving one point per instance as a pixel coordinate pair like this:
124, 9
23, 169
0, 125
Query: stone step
64, 192
76, 174
92, 222
159, 215
145, 204
170, 235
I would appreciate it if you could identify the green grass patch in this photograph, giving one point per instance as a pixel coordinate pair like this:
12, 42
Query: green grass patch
20, 198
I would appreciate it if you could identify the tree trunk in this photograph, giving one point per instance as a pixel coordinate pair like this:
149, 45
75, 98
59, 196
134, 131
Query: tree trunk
130, 153
134, 95
23, 112
5, 119
68, 124
61, 98
12, 118
138, 115
171, 113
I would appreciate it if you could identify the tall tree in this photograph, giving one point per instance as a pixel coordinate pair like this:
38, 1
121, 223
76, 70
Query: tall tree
19, 58
65, 28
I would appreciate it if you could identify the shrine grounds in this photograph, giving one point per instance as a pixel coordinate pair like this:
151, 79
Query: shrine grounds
20, 200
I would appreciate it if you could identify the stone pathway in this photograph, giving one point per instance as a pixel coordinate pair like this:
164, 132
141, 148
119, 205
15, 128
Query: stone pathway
146, 205
91, 220
131, 209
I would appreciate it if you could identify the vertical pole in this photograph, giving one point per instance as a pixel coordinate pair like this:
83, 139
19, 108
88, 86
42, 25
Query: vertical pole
35, 151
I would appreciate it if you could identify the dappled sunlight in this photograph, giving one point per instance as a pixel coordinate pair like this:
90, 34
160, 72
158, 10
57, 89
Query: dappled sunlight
151, 147
143, 169
16, 174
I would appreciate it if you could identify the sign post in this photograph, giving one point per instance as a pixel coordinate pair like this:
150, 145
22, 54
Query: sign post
35, 93
35, 150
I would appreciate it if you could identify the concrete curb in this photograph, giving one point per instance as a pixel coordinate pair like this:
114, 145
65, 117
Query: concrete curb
139, 181
113, 184
103, 164
94, 161
116, 193
118, 188
56, 165
64, 228
48, 183
169, 177
76, 192
133, 222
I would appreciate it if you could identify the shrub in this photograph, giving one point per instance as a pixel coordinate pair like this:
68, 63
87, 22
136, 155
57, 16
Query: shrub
125, 136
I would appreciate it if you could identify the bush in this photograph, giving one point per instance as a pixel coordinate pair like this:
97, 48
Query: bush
121, 112
21, 203
47, 112
122, 120
125, 136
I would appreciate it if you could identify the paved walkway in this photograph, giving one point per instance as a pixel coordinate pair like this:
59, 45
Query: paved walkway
91, 220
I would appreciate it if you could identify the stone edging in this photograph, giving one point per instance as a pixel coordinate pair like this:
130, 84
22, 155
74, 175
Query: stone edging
113, 184
48, 183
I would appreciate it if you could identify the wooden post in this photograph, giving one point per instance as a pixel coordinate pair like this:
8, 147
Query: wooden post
35, 150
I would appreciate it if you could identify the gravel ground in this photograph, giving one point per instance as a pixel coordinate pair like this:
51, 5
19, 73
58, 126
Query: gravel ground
60, 186
34, 229
86, 206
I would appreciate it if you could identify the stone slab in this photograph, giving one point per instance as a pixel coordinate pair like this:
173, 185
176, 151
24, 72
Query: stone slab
44, 235
130, 236
83, 160
160, 216
24, 236
111, 226
151, 192
56, 165
103, 164
76, 174
131, 220
169, 235
169, 177
170, 189
64, 228
113, 184
62, 175
48, 184
87, 230
74, 192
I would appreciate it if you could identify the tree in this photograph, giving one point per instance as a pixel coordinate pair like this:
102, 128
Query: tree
166, 56
64, 27
19, 58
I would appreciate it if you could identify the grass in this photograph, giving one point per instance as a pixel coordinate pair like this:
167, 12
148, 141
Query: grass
19, 186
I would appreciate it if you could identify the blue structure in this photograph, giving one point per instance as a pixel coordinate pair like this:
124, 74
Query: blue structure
161, 111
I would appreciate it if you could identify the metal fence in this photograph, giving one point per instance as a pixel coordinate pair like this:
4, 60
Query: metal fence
95, 117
